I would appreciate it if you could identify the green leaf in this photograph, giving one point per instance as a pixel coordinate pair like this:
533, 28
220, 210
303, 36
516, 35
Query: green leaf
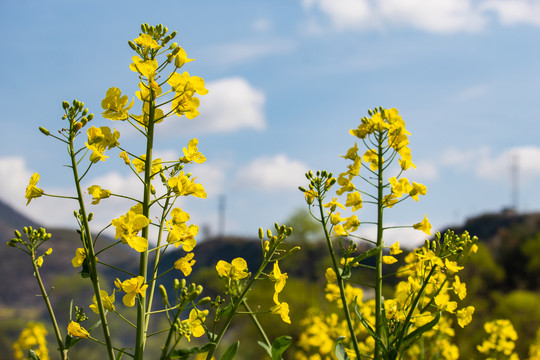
184, 353
231, 351
368, 327
265, 347
340, 352
417, 333
279, 346
345, 272
363, 256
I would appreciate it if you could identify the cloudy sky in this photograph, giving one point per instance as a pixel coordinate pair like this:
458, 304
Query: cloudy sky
287, 81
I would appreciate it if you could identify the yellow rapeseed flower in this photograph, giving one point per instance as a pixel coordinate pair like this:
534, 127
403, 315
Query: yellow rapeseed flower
76, 330
32, 191
185, 264
132, 287
236, 270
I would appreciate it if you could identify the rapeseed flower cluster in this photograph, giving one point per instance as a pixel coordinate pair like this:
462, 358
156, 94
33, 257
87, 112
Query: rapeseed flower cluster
32, 337
501, 341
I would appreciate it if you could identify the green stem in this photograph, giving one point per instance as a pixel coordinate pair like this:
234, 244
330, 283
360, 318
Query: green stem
257, 323
142, 317
380, 243
340, 282
63, 352
239, 301
157, 258
89, 247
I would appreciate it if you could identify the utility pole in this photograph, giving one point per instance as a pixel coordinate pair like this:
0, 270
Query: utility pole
221, 216
514, 173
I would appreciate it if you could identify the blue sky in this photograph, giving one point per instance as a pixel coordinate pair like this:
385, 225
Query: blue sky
287, 81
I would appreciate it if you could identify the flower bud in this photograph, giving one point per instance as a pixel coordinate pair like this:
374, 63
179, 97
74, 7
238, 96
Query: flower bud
90, 117
132, 45
163, 293
205, 300
17, 234
65, 105
77, 126
294, 249
261, 233
173, 45
269, 233
90, 216
176, 284
44, 131
198, 289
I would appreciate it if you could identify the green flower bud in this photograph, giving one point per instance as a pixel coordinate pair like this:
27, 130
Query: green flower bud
90, 216
173, 45
294, 249
17, 234
132, 45
301, 189
176, 284
90, 117
204, 300
65, 105
261, 233
173, 34
269, 233
182, 283
44, 131
198, 290
163, 293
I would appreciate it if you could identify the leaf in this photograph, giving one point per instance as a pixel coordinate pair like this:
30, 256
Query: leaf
184, 353
340, 352
368, 327
279, 346
415, 335
32, 355
265, 347
231, 351
367, 254
346, 272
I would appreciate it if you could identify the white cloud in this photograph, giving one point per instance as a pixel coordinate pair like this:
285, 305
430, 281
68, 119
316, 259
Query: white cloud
437, 16
230, 105
408, 238
440, 16
238, 53
262, 25
343, 14
512, 12
486, 165
425, 170
472, 93
272, 173
14, 177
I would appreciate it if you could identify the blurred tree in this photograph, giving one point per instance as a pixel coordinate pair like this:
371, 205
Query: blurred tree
305, 227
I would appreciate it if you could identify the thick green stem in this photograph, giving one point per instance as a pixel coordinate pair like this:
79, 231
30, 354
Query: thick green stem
61, 349
380, 243
89, 247
142, 316
340, 283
